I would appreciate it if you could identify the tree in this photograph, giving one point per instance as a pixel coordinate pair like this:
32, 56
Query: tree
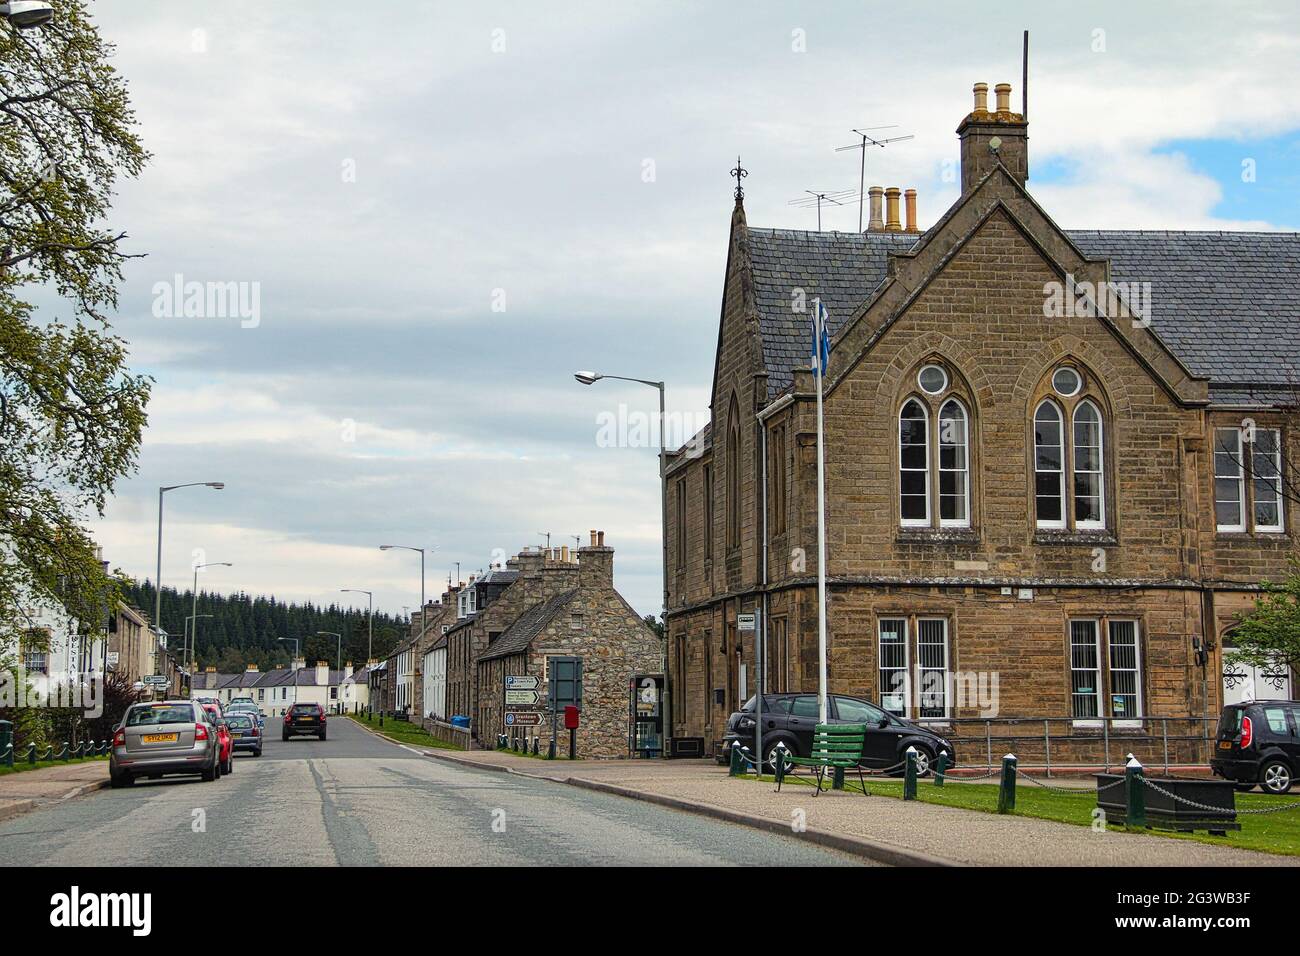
71, 413
1269, 636
655, 625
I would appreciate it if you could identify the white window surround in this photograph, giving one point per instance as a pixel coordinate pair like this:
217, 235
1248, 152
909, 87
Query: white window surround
932, 657
1085, 667
1117, 639
887, 675
1099, 470
1048, 412
1266, 471
1228, 461
956, 429
903, 469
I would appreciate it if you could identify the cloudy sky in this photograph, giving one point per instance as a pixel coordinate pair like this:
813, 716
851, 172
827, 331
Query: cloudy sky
444, 209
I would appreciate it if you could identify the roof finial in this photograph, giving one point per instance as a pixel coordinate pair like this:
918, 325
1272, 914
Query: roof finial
739, 173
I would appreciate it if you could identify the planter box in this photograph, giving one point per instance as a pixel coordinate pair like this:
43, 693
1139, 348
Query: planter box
1165, 813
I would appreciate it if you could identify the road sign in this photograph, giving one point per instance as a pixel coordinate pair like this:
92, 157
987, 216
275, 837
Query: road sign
156, 680
521, 698
745, 622
524, 718
522, 682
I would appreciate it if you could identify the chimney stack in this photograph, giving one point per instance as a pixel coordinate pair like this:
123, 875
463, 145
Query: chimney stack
990, 139
596, 563
891, 210
322, 674
877, 221
909, 202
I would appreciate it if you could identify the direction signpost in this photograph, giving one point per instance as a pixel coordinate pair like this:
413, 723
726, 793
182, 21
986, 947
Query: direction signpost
524, 718
521, 698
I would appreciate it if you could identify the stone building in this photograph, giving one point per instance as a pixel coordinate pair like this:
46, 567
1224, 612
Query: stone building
578, 615
1051, 459
130, 644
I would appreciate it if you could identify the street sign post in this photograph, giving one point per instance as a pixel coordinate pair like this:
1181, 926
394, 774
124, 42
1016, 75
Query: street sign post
745, 622
156, 680
524, 718
521, 698
522, 682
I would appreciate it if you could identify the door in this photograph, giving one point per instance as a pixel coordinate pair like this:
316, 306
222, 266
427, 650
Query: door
880, 745
803, 721
1243, 683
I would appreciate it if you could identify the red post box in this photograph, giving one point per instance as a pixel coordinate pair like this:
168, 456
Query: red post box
571, 717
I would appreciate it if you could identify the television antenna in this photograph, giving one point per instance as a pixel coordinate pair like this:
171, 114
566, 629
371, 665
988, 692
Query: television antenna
869, 140
836, 197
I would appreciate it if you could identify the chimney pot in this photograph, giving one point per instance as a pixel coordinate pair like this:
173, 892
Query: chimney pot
877, 221
1003, 91
564, 553
593, 537
909, 201
892, 223
600, 539
981, 97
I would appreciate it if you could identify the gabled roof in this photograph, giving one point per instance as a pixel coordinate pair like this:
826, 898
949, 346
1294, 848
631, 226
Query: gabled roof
528, 625
1227, 304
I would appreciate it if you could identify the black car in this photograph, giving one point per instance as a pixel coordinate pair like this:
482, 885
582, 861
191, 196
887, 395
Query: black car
1258, 744
304, 719
791, 719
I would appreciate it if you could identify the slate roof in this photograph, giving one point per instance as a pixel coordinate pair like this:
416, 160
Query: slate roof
527, 626
303, 677
1226, 303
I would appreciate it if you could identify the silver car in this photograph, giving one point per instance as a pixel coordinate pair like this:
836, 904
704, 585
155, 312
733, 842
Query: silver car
164, 737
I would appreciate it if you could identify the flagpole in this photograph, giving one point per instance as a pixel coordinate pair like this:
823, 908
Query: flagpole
821, 521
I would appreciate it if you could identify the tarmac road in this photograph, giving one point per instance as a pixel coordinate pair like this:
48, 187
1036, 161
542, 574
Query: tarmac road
358, 800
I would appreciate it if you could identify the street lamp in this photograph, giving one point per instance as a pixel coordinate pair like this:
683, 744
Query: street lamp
291, 670
27, 14
187, 649
407, 547
157, 601
338, 655
370, 648
194, 603
591, 378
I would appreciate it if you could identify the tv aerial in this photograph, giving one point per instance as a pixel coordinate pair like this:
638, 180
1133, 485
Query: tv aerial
837, 197
869, 140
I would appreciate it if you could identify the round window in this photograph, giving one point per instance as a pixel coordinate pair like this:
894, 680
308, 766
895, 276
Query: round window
932, 379
1066, 381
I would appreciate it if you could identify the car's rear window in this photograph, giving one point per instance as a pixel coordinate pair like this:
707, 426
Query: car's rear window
1275, 716
304, 708
160, 714
240, 723
1230, 721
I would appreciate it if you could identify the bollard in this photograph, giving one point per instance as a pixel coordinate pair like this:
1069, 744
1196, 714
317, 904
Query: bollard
780, 763
6, 743
535, 750
746, 757
1007, 788
735, 759
381, 718
940, 767
909, 774
64, 754
550, 747
1135, 816
31, 754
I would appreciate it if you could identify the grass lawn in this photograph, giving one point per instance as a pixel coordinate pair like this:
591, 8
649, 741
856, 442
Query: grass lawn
405, 732
20, 764
1270, 833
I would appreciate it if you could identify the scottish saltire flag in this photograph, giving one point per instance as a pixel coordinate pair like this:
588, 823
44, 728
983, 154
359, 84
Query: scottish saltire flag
820, 352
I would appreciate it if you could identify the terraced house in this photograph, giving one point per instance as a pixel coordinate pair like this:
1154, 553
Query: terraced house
1052, 459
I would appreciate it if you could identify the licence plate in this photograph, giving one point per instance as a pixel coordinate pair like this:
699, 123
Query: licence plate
236, 735
304, 720
160, 738
1225, 744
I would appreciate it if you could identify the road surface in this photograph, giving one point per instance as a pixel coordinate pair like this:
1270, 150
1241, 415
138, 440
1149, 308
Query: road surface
358, 800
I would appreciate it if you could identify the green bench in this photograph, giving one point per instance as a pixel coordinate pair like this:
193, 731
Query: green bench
835, 747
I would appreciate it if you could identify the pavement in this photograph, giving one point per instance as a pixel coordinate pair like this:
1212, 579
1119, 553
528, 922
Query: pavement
882, 828
357, 799
25, 791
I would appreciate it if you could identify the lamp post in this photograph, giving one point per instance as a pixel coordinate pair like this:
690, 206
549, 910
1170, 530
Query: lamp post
370, 647
338, 659
291, 671
194, 603
591, 378
27, 14
157, 600
187, 649
407, 547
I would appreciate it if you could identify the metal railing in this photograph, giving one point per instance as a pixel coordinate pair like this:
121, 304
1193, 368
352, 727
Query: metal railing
1079, 744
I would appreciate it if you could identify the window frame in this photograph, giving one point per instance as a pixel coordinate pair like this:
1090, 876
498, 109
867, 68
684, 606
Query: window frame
1275, 481
1062, 497
776, 479
1086, 720
924, 407
964, 471
1239, 478
680, 526
905, 669
1104, 692
708, 511
1135, 670
1100, 472
922, 669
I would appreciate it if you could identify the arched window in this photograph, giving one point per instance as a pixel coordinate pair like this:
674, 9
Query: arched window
914, 463
1089, 485
1049, 466
954, 465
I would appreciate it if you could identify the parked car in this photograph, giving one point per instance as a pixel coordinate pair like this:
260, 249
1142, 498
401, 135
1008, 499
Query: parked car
304, 719
791, 719
1258, 744
245, 705
245, 734
165, 737
227, 762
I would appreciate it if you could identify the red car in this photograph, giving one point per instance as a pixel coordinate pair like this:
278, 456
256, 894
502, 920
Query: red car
226, 755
